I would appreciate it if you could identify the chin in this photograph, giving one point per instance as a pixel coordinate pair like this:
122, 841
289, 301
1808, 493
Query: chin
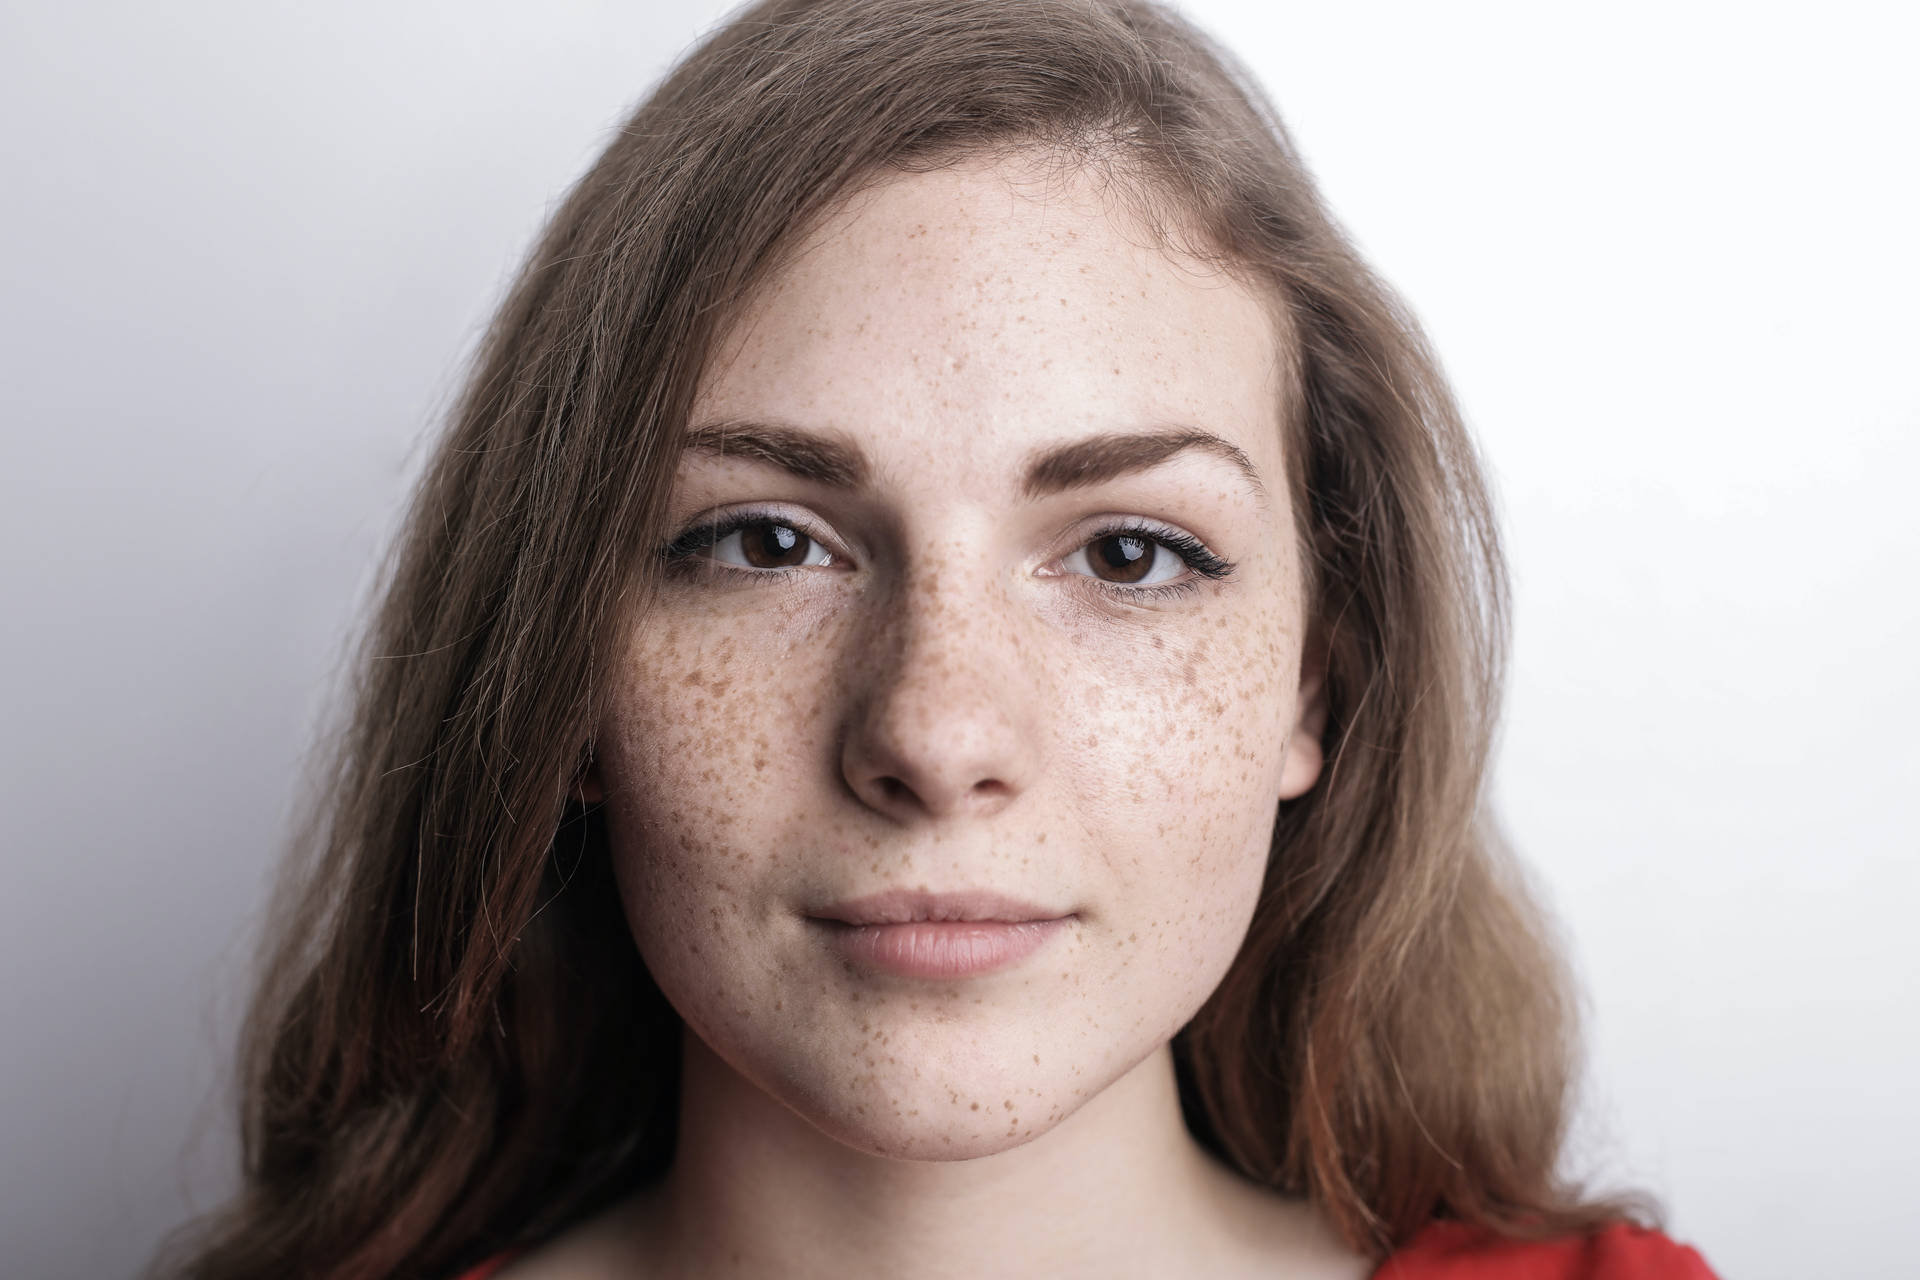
936, 1102
938, 1137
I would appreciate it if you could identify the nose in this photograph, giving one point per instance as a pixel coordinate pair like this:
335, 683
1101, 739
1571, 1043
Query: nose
944, 698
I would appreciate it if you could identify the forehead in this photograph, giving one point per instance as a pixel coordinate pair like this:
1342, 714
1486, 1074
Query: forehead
991, 307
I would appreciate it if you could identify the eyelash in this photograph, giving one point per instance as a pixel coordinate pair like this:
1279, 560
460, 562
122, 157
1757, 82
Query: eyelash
1201, 561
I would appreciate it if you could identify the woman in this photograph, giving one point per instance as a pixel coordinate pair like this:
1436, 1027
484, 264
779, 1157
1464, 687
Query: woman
929, 716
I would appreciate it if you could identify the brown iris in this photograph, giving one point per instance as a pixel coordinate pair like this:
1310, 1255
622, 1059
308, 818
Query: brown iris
774, 546
1121, 558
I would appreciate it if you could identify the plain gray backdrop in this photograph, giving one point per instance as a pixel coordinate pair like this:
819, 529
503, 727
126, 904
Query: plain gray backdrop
1666, 251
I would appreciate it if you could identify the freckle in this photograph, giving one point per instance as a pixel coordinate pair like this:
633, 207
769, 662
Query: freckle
1036, 1057
976, 1106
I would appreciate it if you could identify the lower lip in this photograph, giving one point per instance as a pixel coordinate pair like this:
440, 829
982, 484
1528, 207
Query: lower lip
941, 949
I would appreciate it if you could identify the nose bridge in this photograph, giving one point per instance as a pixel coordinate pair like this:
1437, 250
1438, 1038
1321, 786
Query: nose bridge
949, 614
943, 716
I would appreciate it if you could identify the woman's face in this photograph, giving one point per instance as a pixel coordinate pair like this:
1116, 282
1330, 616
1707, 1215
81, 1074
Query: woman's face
1016, 611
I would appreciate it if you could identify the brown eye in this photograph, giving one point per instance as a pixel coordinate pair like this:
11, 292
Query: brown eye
1137, 560
774, 546
766, 544
1121, 557
1128, 558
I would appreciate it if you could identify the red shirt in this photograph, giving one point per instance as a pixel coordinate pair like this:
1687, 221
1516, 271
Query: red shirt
1621, 1251
1455, 1251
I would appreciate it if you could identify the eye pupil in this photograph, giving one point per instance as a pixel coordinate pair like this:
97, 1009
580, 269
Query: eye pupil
1128, 557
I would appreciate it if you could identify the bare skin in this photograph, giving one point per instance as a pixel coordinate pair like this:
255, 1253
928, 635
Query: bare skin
958, 678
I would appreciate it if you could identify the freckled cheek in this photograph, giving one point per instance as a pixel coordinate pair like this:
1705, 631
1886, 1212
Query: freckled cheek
713, 744
1178, 768
1190, 718
1203, 816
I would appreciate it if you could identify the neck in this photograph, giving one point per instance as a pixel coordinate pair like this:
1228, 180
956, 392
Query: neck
1118, 1188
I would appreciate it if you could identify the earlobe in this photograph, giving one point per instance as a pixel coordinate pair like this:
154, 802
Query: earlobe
1306, 749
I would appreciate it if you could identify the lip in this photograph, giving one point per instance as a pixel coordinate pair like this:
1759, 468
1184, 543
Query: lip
913, 906
940, 949
942, 936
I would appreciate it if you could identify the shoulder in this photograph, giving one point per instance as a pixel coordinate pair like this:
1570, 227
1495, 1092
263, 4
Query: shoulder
1620, 1251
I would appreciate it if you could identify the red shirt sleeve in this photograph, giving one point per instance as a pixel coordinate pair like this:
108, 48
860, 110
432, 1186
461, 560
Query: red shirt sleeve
487, 1268
1621, 1251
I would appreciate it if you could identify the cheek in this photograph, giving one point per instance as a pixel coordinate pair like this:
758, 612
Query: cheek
704, 775
1186, 725
1176, 762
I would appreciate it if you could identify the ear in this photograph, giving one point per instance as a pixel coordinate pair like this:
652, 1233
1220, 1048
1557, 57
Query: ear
1306, 750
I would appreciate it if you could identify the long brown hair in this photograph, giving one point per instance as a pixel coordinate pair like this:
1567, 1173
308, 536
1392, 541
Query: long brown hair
456, 1047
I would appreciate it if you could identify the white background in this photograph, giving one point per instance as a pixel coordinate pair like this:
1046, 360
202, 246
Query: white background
1666, 251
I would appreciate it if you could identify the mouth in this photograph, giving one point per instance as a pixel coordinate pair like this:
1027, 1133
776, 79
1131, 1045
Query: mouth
937, 936
909, 906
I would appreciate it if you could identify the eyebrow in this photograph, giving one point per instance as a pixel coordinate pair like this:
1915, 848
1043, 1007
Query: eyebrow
1078, 464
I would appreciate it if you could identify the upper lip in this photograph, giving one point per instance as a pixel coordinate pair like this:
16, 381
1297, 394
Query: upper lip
908, 906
